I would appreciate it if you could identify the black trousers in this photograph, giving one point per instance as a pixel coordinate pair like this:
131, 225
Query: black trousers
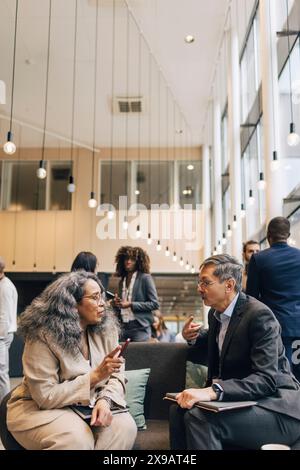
247, 428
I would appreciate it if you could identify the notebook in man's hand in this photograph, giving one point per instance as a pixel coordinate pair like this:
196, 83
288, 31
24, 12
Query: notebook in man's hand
85, 412
216, 406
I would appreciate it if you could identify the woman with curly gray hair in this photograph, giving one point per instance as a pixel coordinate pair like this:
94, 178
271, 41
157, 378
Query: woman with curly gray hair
71, 357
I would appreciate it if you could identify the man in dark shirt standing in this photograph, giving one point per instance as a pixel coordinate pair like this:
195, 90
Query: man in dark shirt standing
274, 279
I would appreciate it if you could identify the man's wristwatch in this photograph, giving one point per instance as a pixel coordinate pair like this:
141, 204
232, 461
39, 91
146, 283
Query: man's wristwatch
218, 391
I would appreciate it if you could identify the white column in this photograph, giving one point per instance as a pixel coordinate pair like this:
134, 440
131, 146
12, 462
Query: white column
217, 170
206, 214
270, 101
234, 140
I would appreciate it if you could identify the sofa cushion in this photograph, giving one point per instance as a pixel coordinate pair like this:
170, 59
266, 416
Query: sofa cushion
196, 375
135, 394
167, 364
155, 437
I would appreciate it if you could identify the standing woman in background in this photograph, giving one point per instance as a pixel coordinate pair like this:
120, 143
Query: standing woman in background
85, 260
137, 296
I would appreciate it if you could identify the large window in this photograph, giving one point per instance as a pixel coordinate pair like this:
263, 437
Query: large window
21, 190
154, 182
252, 197
250, 70
290, 167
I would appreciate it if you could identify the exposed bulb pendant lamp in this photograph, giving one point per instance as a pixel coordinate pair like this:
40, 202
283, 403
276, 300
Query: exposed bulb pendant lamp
224, 240
234, 223
251, 198
187, 266
174, 256
167, 252
261, 184
293, 138
275, 163
149, 240
41, 172
158, 246
10, 147
181, 261
92, 203
138, 232
71, 186
125, 223
229, 231
193, 269
243, 211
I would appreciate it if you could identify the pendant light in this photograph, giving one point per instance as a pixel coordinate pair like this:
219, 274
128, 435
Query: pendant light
71, 186
149, 240
251, 198
293, 138
261, 184
158, 246
234, 223
229, 231
181, 263
275, 164
174, 256
243, 211
10, 147
92, 202
41, 172
167, 252
193, 269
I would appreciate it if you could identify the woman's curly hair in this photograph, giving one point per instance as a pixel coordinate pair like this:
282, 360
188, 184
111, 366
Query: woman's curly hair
138, 254
54, 313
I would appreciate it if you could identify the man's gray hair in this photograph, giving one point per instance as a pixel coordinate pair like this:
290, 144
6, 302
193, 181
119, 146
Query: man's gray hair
2, 264
227, 267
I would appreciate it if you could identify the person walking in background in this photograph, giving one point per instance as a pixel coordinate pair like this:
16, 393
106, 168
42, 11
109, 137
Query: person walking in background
160, 330
137, 296
8, 325
274, 279
249, 248
71, 357
87, 261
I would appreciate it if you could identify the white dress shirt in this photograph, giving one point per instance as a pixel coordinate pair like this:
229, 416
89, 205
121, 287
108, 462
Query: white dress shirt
8, 307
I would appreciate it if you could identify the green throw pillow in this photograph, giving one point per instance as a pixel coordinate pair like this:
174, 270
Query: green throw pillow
135, 394
195, 375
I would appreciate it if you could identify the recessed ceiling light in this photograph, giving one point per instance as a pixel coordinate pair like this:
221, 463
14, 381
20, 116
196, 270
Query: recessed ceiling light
189, 39
190, 167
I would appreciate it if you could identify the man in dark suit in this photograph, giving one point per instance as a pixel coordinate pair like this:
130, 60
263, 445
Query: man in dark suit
245, 362
274, 279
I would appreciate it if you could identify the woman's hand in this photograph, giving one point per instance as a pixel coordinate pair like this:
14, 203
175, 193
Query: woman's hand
101, 415
110, 364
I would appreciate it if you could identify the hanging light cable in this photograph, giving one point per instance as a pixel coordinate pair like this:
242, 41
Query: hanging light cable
10, 147
41, 171
293, 138
125, 221
274, 162
137, 191
110, 213
71, 186
150, 154
92, 203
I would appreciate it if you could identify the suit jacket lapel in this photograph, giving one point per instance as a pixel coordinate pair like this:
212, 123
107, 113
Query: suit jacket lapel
234, 321
135, 285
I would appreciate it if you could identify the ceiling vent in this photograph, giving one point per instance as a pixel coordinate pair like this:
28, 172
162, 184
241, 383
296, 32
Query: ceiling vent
130, 105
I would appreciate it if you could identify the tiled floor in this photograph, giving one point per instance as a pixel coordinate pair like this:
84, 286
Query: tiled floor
13, 383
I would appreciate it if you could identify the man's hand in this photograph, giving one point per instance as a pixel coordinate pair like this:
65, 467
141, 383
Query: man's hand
110, 364
101, 415
190, 330
190, 396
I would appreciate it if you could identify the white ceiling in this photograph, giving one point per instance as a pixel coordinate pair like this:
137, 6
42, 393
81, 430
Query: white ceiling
188, 70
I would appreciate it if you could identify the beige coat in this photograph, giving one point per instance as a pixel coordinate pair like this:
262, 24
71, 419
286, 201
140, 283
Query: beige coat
54, 380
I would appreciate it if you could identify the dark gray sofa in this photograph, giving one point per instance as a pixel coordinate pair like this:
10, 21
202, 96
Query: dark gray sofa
167, 362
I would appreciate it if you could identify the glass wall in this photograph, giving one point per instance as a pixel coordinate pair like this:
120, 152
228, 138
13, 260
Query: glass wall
154, 182
289, 89
21, 190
